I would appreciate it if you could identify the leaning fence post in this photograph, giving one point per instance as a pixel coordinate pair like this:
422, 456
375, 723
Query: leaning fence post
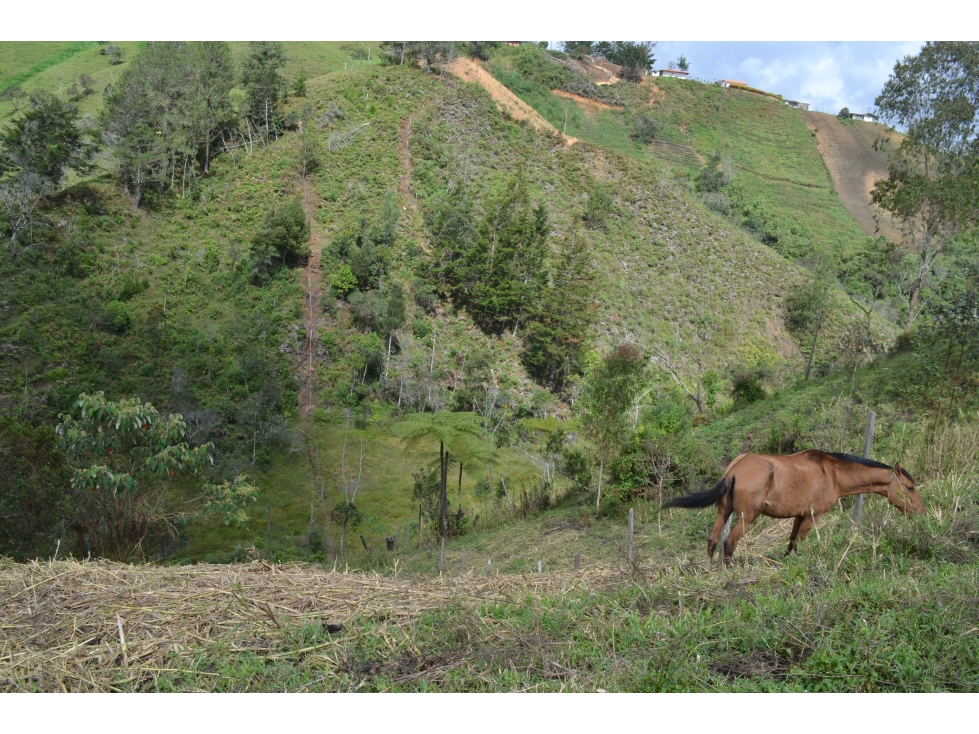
577, 561
867, 440
631, 525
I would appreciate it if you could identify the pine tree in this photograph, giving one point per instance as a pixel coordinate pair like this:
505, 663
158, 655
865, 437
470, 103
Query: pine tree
263, 83
504, 270
562, 322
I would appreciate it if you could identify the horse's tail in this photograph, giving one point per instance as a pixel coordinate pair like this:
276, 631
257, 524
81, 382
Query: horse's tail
705, 497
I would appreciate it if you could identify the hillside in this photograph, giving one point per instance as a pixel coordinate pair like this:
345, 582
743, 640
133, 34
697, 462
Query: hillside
231, 355
802, 192
848, 150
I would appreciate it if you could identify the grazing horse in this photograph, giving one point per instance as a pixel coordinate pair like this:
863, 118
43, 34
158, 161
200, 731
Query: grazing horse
803, 486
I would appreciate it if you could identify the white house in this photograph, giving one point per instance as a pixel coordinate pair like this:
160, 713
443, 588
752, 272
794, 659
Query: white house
797, 105
674, 73
732, 82
865, 116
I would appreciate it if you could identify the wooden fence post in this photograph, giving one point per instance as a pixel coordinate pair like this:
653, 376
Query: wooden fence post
577, 561
420, 526
867, 440
631, 526
442, 556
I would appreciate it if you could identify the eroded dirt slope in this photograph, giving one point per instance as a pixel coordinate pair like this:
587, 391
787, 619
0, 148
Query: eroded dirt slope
854, 165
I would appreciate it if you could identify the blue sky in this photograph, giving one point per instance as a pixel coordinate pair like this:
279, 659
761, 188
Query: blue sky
828, 75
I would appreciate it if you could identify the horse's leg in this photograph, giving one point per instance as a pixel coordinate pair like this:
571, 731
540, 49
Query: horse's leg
805, 526
795, 533
724, 509
742, 522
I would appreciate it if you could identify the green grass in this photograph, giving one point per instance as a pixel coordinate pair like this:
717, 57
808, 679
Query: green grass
19, 61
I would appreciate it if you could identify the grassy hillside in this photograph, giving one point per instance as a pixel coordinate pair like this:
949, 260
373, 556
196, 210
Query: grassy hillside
774, 153
158, 302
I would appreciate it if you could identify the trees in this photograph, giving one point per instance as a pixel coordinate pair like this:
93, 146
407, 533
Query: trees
13, 94
125, 457
577, 49
263, 83
33, 503
212, 77
36, 153
283, 234
46, 141
495, 268
456, 434
681, 63
169, 107
636, 59
932, 189
563, 317
609, 392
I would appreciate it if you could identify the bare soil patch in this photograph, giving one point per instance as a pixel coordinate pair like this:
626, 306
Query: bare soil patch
854, 166
507, 101
590, 106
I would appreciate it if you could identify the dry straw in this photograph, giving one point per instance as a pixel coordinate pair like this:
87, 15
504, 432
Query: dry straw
99, 626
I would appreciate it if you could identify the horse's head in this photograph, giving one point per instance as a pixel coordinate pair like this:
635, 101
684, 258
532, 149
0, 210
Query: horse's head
903, 494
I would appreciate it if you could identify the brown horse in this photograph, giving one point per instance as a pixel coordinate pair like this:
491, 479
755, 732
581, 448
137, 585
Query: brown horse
803, 486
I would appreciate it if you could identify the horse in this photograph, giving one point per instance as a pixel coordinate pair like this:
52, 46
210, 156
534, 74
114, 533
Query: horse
803, 486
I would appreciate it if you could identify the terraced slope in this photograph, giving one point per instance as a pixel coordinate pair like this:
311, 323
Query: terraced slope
854, 165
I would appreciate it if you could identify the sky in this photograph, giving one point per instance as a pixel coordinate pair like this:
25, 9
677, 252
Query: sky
828, 75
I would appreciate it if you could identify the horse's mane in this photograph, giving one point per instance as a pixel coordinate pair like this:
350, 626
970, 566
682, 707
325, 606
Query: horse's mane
866, 462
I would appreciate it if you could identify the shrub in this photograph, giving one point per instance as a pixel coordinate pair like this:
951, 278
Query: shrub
598, 207
116, 317
368, 309
343, 280
425, 297
283, 234
746, 388
645, 129
715, 175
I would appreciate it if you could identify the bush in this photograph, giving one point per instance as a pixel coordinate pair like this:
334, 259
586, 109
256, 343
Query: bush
368, 309
421, 328
715, 175
283, 235
746, 388
343, 280
598, 207
425, 297
645, 129
116, 317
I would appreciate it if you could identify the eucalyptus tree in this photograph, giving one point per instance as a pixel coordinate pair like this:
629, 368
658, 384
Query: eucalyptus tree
932, 189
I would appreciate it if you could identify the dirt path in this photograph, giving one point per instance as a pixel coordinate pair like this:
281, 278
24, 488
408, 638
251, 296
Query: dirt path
404, 155
469, 71
854, 166
313, 288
